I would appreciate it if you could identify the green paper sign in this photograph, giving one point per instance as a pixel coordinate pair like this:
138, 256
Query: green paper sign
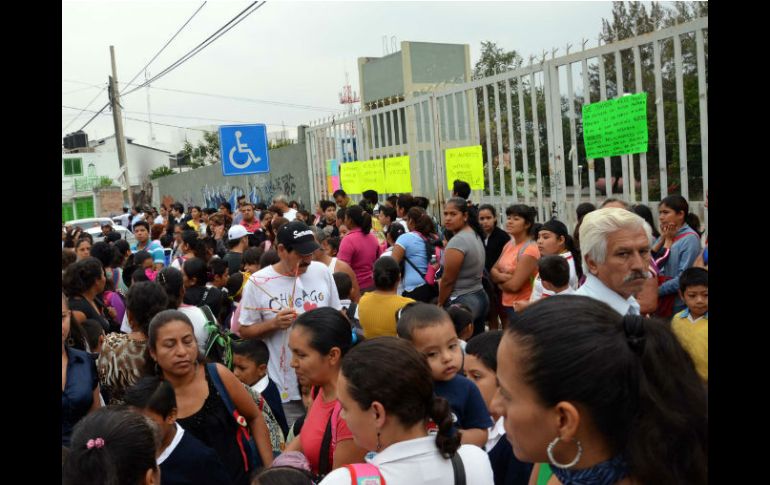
615, 127
465, 163
398, 175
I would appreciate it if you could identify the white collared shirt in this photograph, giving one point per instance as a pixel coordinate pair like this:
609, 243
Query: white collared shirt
594, 288
495, 433
172, 446
261, 384
419, 461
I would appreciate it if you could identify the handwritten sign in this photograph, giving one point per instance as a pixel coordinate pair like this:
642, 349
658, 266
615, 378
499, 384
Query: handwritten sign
615, 127
465, 163
372, 176
350, 176
398, 175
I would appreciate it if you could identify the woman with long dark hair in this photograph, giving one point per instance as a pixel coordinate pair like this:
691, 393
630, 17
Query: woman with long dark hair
464, 262
603, 398
495, 240
172, 353
516, 268
675, 250
414, 250
360, 248
319, 339
386, 390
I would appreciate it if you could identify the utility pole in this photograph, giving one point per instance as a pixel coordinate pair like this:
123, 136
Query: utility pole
118, 120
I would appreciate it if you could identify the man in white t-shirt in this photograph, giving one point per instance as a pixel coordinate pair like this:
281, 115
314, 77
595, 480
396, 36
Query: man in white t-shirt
282, 203
276, 295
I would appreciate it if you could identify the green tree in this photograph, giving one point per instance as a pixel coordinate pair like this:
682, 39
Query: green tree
206, 152
633, 19
272, 145
161, 172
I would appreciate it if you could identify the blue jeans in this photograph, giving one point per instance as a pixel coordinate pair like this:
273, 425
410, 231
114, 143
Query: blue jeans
478, 302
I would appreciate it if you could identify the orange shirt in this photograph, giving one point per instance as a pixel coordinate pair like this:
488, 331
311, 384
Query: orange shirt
507, 262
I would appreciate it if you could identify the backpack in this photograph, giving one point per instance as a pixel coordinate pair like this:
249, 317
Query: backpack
219, 344
368, 474
433, 249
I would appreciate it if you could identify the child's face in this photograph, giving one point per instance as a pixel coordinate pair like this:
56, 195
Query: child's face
251, 268
147, 263
307, 396
697, 300
440, 346
483, 377
247, 371
467, 332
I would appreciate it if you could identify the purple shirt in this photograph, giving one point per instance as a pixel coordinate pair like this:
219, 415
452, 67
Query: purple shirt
360, 252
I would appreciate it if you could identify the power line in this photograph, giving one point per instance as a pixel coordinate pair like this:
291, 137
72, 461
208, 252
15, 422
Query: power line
96, 113
252, 100
219, 33
216, 35
174, 116
167, 43
84, 109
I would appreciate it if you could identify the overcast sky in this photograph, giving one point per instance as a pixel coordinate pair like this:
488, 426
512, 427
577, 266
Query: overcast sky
286, 52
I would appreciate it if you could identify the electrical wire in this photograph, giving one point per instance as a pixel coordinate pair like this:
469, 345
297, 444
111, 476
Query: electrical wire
219, 33
208, 41
167, 43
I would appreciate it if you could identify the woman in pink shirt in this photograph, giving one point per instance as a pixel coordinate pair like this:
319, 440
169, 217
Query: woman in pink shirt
360, 248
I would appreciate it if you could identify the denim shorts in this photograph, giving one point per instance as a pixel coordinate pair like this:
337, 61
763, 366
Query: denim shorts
478, 302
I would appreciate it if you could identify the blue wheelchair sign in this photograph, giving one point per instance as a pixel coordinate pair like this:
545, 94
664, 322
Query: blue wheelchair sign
244, 149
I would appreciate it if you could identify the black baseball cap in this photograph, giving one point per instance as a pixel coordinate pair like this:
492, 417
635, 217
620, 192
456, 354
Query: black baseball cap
297, 236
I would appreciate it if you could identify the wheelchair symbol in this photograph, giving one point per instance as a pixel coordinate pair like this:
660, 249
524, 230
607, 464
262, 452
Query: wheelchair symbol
242, 148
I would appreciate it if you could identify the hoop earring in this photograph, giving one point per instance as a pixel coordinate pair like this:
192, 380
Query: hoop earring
553, 461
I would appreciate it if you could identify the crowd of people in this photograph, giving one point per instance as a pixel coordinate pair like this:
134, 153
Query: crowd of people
372, 343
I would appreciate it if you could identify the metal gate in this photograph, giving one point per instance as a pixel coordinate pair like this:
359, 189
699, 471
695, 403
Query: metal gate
529, 124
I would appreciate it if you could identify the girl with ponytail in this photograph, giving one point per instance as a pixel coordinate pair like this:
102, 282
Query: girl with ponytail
464, 262
603, 398
554, 239
386, 390
360, 247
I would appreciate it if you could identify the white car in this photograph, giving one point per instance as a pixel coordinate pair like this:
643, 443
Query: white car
93, 222
96, 233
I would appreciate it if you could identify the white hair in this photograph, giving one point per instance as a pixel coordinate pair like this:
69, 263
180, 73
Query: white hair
598, 224
280, 198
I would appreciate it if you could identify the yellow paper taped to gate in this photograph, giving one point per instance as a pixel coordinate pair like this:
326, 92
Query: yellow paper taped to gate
371, 176
398, 175
350, 174
467, 164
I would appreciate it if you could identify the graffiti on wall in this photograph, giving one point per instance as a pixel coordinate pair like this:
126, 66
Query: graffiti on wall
256, 191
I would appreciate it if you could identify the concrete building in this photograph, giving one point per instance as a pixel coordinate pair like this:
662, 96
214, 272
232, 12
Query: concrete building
87, 174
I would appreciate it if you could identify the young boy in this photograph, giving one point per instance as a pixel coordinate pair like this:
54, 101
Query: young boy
462, 319
250, 367
691, 325
554, 274
349, 308
481, 369
431, 331
183, 458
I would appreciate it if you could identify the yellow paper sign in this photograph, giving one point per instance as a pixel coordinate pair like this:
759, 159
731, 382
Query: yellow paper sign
467, 164
350, 176
371, 176
398, 175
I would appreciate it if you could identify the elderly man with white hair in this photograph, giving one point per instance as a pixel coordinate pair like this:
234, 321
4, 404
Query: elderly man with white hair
282, 203
616, 253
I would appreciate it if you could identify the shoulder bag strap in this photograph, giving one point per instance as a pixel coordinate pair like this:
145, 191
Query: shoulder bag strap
324, 466
244, 440
458, 468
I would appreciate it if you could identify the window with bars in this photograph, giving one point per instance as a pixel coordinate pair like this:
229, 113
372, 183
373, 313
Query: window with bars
73, 166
